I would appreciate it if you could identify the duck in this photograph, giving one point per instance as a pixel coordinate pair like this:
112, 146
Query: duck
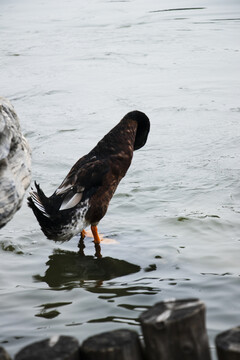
83, 197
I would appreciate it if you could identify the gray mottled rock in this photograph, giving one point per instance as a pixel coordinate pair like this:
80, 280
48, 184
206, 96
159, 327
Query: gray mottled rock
15, 162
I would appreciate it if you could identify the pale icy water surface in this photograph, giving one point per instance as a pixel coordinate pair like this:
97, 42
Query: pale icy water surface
73, 69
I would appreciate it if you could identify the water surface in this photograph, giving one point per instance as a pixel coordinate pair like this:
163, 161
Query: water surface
72, 70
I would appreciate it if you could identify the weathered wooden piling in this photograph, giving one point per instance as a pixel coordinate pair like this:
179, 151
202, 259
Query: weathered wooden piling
176, 330
55, 348
3, 354
172, 330
112, 345
228, 344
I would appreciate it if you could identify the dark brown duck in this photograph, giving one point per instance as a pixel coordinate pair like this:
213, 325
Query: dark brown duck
83, 197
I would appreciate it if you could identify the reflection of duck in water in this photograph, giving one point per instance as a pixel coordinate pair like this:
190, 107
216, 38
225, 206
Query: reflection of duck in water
83, 197
68, 270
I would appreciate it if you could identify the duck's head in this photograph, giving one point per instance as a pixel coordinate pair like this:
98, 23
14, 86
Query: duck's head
142, 128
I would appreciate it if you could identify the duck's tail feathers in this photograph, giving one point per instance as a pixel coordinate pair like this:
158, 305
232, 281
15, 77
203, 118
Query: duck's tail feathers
39, 202
42, 209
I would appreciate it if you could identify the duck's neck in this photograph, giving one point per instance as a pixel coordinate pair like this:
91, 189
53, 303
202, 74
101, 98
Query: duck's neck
120, 139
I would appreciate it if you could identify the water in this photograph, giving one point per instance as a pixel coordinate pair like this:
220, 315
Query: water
72, 69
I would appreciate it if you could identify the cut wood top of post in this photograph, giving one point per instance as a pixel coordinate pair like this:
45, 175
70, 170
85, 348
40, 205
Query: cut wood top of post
116, 339
55, 348
229, 340
171, 310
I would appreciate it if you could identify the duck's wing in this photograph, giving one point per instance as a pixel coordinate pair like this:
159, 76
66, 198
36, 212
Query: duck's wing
81, 182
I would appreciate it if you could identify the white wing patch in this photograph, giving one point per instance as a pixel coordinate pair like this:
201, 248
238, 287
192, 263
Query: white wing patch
64, 188
61, 190
71, 202
38, 204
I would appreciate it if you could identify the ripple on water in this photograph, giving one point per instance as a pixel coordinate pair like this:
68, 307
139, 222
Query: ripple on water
175, 215
8, 245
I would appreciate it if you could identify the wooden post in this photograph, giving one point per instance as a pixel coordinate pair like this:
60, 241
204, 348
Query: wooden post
3, 354
228, 344
176, 330
112, 345
55, 348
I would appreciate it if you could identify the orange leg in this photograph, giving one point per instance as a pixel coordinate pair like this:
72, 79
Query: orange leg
81, 243
97, 239
83, 234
